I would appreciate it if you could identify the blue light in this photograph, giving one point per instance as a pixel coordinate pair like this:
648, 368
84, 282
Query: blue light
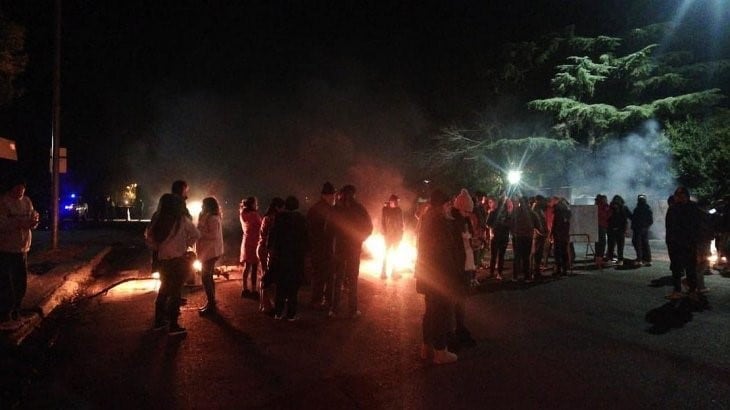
73, 195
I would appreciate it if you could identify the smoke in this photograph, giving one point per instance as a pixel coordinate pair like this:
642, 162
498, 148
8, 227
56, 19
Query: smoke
639, 163
259, 143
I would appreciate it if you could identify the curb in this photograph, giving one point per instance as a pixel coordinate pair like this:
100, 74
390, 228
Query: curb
72, 283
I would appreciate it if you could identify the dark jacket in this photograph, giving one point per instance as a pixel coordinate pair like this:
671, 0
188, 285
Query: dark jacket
392, 223
288, 244
683, 224
441, 256
319, 229
561, 223
619, 218
351, 225
642, 218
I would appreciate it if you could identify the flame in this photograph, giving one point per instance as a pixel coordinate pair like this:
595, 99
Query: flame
401, 259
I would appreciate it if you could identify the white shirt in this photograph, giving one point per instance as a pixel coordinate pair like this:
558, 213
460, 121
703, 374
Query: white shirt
12, 211
210, 244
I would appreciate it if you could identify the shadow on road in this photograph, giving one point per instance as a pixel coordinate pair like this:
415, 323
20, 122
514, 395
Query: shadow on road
674, 314
661, 282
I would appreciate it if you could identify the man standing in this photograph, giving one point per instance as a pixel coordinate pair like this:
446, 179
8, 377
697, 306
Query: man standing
322, 251
351, 225
641, 219
682, 236
392, 225
17, 218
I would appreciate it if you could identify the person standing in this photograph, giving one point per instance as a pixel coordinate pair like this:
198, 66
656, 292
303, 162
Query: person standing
464, 222
538, 237
641, 220
321, 247
498, 222
561, 237
682, 224
209, 249
288, 247
392, 226
171, 234
351, 225
181, 189
251, 226
439, 267
266, 298
604, 213
17, 219
617, 225
523, 227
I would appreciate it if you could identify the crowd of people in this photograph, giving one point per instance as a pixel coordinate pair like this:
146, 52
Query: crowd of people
457, 235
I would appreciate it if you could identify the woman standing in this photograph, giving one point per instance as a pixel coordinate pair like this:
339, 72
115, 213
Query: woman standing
171, 233
210, 249
251, 225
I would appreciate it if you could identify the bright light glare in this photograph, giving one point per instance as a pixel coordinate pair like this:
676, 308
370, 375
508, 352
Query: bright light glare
514, 176
195, 207
155, 275
402, 259
197, 265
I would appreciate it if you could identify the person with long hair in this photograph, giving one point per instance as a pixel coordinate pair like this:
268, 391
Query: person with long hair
251, 226
171, 234
209, 249
266, 301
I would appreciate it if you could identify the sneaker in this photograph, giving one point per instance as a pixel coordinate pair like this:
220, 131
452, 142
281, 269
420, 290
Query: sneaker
444, 357
675, 295
498, 277
176, 330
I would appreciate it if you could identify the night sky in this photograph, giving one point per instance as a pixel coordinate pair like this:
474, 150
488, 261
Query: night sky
268, 97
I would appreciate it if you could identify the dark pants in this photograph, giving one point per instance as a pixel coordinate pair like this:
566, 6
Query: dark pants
682, 261
437, 321
521, 262
206, 276
287, 291
497, 249
538, 249
562, 256
601, 244
640, 241
616, 241
346, 274
173, 273
321, 278
13, 281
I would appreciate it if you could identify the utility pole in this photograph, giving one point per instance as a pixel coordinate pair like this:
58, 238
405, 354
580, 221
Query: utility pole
56, 131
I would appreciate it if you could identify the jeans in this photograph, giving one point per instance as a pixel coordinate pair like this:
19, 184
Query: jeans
640, 241
437, 321
173, 273
346, 275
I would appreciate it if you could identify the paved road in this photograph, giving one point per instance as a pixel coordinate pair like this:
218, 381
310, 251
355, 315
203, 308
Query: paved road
599, 339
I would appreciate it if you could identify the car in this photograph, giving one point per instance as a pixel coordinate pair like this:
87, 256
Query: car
74, 208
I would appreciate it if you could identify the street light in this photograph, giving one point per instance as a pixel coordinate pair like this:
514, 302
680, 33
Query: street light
514, 176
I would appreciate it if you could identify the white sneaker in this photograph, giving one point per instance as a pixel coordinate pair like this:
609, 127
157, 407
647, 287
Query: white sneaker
443, 357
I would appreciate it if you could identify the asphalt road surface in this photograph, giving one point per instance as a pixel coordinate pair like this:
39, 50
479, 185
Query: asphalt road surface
597, 339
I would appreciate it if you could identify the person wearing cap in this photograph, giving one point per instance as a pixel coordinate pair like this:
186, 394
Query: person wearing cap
439, 271
641, 219
351, 225
392, 226
321, 247
17, 219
